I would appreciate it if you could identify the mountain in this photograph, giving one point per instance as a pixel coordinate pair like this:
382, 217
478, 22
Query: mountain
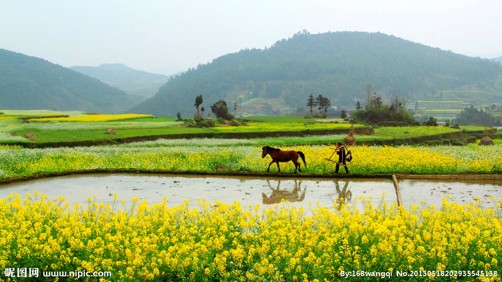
131, 81
342, 66
31, 83
498, 59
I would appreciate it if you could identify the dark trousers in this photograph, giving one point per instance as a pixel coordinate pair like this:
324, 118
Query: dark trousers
344, 165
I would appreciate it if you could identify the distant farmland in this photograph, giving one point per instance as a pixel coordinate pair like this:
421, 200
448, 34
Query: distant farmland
442, 110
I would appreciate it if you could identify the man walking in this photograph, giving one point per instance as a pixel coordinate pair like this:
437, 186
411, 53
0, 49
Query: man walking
342, 157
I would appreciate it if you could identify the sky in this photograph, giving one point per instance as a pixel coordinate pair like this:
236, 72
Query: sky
171, 36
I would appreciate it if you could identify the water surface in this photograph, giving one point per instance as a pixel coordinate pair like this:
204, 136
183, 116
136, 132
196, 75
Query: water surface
251, 191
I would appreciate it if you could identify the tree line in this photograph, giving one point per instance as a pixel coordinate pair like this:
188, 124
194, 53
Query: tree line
321, 103
375, 112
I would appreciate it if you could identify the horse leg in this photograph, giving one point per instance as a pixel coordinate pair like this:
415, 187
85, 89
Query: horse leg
270, 165
278, 167
297, 165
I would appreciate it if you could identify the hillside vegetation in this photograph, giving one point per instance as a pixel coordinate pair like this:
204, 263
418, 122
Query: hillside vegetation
131, 81
343, 66
32, 83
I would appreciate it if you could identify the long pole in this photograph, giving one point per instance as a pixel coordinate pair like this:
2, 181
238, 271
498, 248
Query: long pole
398, 191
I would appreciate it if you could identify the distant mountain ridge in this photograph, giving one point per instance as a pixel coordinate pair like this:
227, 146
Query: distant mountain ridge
32, 83
343, 66
131, 81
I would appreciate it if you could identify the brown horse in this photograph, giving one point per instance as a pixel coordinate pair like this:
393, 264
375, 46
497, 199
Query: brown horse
282, 156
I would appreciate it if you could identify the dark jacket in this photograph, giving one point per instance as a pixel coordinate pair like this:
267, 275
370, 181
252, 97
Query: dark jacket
342, 155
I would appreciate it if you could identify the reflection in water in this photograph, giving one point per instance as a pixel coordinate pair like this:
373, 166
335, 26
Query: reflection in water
344, 195
278, 195
248, 190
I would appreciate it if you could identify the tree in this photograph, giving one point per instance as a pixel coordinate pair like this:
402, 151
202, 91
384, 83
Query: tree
198, 117
431, 122
397, 103
326, 104
374, 101
311, 104
473, 116
378, 113
220, 110
343, 114
323, 104
198, 102
369, 89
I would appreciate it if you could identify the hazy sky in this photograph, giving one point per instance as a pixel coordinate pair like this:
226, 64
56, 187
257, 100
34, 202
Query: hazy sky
169, 36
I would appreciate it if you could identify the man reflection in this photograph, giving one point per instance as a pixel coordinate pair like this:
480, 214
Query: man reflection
344, 195
297, 195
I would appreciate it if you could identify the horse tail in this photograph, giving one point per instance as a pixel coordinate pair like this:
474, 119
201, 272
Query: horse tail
303, 158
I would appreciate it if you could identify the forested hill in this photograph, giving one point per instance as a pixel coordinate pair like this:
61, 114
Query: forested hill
339, 66
32, 83
134, 82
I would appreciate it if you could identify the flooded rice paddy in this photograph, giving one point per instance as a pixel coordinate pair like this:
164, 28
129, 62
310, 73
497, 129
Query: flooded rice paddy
250, 191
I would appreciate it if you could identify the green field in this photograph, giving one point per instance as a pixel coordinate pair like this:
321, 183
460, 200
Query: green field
20, 127
211, 151
442, 110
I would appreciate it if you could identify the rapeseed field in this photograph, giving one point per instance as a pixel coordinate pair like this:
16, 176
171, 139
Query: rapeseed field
230, 242
208, 158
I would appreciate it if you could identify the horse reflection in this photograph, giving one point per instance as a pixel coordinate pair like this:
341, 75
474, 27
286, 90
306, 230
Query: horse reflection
344, 195
278, 195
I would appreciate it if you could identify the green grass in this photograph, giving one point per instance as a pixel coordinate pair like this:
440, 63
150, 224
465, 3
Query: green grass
291, 119
149, 120
417, 131
93, 134
28, 113
53, 131
13, 129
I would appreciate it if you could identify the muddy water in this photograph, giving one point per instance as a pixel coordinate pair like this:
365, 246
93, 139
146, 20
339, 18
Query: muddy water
252, 191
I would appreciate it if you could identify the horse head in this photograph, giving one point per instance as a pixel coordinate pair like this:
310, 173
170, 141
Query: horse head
264, 151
